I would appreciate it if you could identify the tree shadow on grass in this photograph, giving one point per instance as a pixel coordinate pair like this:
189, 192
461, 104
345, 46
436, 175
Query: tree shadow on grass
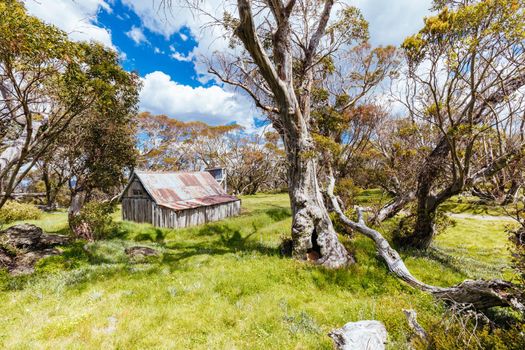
475, 207
279, 213
158, 236
64, 231
148, 234
229, 240
453, 262
214, 229
83, 265
275, 212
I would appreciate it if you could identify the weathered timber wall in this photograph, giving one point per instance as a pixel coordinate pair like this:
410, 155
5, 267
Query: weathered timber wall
137, 205
137, 209
165, 217
145, 210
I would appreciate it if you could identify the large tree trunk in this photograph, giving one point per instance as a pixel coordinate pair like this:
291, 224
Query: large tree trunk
512, 195
51, 192
427, 204
424, 228
313, 234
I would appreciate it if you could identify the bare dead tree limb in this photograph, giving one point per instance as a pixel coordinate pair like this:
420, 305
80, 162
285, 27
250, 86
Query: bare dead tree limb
411, 316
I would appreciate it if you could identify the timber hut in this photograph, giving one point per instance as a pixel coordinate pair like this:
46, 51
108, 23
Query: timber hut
178, 199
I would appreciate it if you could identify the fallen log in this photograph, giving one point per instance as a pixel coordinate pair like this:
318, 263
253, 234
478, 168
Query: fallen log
479, 294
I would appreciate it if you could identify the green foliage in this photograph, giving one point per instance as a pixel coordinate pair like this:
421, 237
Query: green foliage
326, 144
101, 145
461, 28
90, 100
347, 191
97, 216
351, 25
27, 41
16, 211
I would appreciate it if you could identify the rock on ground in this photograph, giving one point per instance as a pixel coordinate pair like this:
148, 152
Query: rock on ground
362, 335
141, 254
146, 251
22, 246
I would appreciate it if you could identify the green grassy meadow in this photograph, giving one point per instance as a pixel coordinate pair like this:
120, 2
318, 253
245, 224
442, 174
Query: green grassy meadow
226, 286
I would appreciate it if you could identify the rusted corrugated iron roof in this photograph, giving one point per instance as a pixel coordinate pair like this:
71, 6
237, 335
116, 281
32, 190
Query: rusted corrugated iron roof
183, 190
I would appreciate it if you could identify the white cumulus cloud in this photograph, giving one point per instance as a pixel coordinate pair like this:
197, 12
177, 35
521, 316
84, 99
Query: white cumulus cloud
77, 18
390, 22
213, 105
137, 35
180, 57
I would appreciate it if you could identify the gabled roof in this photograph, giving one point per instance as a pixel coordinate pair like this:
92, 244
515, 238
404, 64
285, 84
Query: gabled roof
183, 190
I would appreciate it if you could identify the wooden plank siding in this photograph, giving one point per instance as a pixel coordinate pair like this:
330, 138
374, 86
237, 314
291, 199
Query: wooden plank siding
166, 217
138, 206
137, 209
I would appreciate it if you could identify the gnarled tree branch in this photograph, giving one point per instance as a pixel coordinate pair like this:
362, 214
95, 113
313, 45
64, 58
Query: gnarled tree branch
252, 94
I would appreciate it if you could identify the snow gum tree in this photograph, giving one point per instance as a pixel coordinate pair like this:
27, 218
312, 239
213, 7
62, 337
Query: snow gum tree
466, 78
280, 49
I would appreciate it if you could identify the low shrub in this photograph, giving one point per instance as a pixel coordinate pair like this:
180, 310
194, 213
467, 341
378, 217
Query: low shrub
15, 211
97, 217
347, 191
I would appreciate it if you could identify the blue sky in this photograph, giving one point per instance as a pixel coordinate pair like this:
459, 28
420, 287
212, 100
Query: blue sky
164, 48
147, 51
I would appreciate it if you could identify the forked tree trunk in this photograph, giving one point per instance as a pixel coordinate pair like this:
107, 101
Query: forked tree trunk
433, 167
312, 231
427, 204
313, 234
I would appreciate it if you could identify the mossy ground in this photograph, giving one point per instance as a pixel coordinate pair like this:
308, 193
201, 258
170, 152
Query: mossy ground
225, 286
